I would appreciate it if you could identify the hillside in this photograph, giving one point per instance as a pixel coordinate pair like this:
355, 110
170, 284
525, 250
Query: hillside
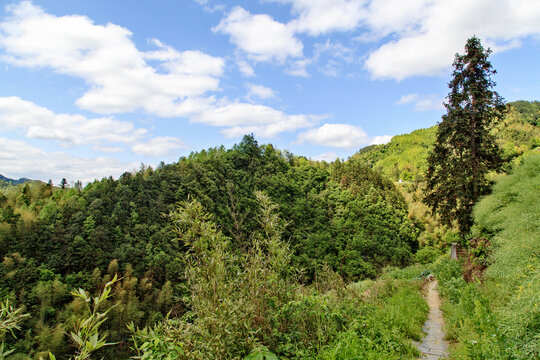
341, 221
404, 157
496, 315
4, 181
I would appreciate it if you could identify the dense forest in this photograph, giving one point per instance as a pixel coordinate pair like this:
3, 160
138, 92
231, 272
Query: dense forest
341, 215
226, 241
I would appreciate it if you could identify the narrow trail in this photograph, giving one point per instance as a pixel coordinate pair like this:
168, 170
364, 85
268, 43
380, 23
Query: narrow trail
433, 345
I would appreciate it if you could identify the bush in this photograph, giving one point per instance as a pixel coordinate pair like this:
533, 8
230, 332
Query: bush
427, 255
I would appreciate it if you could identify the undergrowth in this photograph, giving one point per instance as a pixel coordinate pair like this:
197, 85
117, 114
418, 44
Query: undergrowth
250, 306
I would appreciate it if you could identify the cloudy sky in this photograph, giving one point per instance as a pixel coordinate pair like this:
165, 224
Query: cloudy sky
95, 88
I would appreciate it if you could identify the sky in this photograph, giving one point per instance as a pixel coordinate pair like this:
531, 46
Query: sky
91, 89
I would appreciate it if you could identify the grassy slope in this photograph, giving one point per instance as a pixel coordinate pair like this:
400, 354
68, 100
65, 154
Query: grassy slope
499, 318
510, 217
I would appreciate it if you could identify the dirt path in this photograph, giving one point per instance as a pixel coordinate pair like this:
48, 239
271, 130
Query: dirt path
433, 345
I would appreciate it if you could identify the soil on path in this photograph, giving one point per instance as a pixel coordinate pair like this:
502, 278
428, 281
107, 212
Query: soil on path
433, 345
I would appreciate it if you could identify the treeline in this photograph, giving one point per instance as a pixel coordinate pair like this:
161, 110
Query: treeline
342, 215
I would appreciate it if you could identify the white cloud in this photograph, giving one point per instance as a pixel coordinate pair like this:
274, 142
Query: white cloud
245, 69
422, 102
164, 82
106, 58
419, 37
317, 17
328, 157
259, 91
108, 149
383, 139
75, 130
20, 159
260, 36
430, 102
330, 58
42, 123
242, 118
299, 68
429, 33
335, 135
406, 99
159, 146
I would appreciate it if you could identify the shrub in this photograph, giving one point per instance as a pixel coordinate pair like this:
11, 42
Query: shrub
427, 255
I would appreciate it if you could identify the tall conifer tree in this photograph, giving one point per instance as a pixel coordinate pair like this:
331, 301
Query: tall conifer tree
465, 151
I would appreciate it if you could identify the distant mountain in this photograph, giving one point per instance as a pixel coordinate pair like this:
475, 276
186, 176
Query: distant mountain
4, 179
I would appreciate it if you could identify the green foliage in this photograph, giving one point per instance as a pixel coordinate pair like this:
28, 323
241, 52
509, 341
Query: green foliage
499, 318
86, 336
510, 217
529, 111
427, 255
261, 354
404, 157
384, 327
407, 154
465, 151
248, 305
342, 222
10, 319
232, 296
155, 343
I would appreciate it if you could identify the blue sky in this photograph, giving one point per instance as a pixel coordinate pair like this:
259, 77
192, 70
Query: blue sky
95, 88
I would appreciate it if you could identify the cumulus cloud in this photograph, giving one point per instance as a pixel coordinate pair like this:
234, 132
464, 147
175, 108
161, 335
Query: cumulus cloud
263, 121
335, 135
75, 130
165, 81
317, 17
429, 33
159, 146
106, 58
259, 36
259, 91
67, 129
417, 37
20, 159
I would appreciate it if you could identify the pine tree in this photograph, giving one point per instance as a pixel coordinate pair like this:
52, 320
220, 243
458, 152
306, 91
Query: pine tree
465, 151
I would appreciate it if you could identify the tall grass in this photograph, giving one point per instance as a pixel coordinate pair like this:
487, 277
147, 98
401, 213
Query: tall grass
511, 218
500, 317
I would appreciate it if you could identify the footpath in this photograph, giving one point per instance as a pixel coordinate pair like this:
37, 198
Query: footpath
433, 345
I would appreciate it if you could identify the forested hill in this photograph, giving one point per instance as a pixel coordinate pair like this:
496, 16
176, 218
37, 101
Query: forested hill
342, 214
404, 157
4, 181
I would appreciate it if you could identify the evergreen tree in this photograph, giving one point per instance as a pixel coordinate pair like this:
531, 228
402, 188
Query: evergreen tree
465, 151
